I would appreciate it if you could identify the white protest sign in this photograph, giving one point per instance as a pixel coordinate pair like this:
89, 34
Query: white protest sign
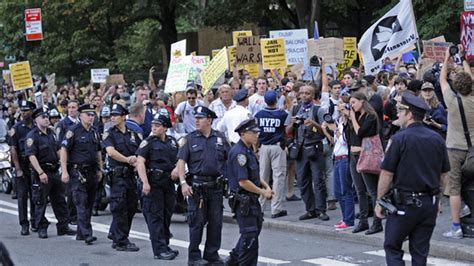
295, 44
178, 73
178, 48
99, 75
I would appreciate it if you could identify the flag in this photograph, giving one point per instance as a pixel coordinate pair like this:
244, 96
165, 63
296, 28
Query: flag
392, 34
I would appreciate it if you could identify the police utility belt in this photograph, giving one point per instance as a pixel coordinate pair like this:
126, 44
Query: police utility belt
242, 199
49, 167
157, 174
124, 171
397, 197
207, 182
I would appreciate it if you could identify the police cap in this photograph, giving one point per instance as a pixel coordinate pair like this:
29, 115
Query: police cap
118, 109
54, 113
413, 103
105, 112
86, 108
27, 106
204, 112
247, 125
40, 111
161, 120
241, 95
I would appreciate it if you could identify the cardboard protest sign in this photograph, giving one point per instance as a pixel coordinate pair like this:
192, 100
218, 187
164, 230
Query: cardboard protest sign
350, 54
197, 65
248, 50
178, 74
467, 34
231, 52
273, 53
237, 34
216, 68
116, 79
331, 49
435, 50
39, 101
51, 84
295, 44
254, 70
21, 75
99, 75
298, 70
178, 48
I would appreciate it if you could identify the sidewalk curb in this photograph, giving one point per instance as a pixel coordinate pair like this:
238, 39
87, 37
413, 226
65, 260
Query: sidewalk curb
446, 250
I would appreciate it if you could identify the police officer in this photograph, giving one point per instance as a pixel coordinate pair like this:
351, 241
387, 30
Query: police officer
42, 150
17, 138
159, 154
271, 122
246, 186
414, 182
81, 163
310, 163
121, 144
205, 151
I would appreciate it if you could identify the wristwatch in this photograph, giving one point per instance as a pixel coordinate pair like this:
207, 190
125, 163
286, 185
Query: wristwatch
182, 182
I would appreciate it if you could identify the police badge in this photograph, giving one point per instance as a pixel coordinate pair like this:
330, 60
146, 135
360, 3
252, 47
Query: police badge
69, 134
143, 144
29, 142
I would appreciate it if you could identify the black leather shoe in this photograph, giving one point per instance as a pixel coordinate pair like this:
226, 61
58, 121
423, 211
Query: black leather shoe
360, 227
14, 196
68, 231
218, 262
25, 230
230, 261
130, 247
323, 216
176, 252
42, 234
80, 238
114, 245
309, 215
165, 256
34, 229
280, 214
293, 198
375, 228
110, 236
90, 239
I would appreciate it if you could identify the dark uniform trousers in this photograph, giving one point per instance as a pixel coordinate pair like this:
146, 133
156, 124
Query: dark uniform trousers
309, 172
83, 190
123, 204
54, 189
418, 224
23, 189
250, 226
157, 209
205, 207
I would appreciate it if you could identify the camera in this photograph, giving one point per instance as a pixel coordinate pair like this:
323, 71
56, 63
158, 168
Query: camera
314, 61
299, 121
328, 118
348, 106
453, 50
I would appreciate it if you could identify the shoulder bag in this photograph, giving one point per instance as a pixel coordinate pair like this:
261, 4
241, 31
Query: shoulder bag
371, 155
468, 165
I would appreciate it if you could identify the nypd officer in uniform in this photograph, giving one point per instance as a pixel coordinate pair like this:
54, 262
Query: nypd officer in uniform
81, 163
42, 150
17, 137
205, 151
414, 182
157, 156
246, 186
121, 144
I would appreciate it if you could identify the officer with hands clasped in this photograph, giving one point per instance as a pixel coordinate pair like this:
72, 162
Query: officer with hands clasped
412, 183
121, 145
42, 150
246, 186
205, 151
81, 163
16, 139
157, 156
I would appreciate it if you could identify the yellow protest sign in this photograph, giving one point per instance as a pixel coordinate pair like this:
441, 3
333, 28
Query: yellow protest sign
273, 53
6, 76
242, 33
253, 69
214, 70
350, 54
21, 75
215, 51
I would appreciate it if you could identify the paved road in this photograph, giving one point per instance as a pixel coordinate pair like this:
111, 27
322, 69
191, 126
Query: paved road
276, 247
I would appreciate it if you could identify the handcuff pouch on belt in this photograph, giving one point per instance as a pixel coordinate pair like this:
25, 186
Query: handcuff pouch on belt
157, 176
244, 200
79, 170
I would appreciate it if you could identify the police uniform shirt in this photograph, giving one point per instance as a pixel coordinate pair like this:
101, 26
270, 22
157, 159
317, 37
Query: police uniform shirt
63, 126
242, 165
272, 125
17, 136
125, 143
159, 154
204, 156
402, 157
43, 146
82, 145
135, 127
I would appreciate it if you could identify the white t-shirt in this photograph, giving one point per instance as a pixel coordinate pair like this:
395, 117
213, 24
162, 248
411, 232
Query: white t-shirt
256, 103
231, 120
186, 112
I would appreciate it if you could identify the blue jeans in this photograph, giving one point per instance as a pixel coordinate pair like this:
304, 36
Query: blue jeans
343, 190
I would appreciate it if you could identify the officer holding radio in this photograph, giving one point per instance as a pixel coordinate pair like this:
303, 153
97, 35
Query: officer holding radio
310, 159
414, 181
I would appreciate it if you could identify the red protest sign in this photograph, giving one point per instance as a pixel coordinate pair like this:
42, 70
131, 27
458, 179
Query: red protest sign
34, 29
467, 33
